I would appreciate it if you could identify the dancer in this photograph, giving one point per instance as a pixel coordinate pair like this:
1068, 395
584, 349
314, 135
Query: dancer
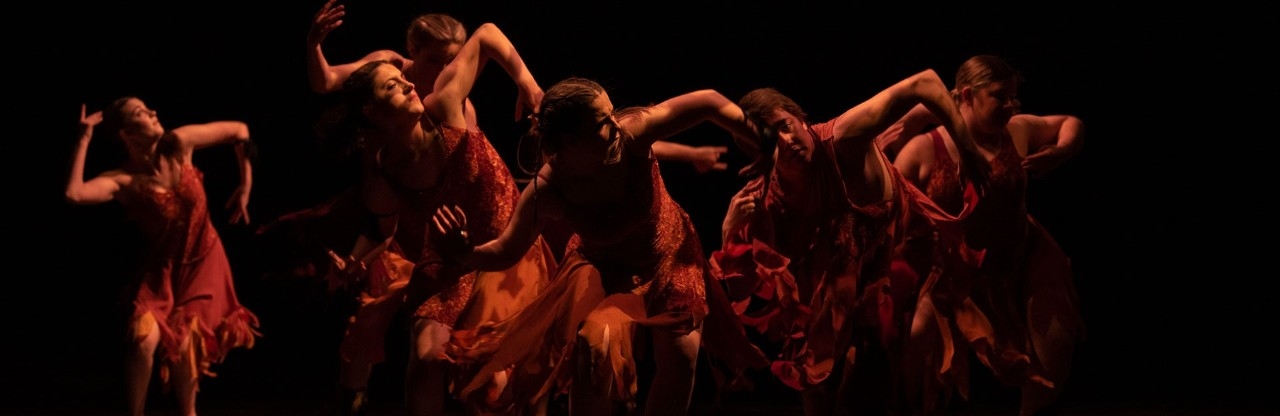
185, 310
638, 271
419, 156
1025, 287
808, 244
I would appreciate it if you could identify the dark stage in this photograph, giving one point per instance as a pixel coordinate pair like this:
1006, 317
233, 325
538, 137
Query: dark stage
1178, 320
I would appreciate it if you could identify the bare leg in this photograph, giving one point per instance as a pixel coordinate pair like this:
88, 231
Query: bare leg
919, 377
186, 378
142, 351
424, 384
676, 357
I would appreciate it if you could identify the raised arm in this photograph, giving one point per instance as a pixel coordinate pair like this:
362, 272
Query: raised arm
457, 79
860, 125
857, 128
99, 189
322, 77
679, 113
1048, 141
533, 211
198, 136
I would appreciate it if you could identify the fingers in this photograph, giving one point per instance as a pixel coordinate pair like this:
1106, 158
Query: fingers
337, 260
462, 216
441, 226
720, 166
82, 109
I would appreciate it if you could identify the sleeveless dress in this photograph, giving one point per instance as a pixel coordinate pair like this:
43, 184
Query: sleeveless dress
476, 179
186, 284
812, 275
631, 264
1022, 265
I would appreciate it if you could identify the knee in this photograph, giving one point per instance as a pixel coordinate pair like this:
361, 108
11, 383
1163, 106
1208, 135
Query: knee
145, 332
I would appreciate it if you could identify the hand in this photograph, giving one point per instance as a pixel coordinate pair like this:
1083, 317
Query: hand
239, 203
451, 231
742, 208
344, 271
328, 18
1044, 160
529, 99
707, 158
87, 122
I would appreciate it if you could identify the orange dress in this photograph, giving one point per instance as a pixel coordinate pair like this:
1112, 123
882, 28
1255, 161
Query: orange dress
186, 284
410, 275
632, 264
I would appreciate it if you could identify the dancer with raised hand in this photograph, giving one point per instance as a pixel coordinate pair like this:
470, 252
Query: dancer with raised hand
638, 271
185, 311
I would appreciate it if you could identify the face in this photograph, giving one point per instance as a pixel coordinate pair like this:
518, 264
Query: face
393, 96
993, 104
600, 129
432, 57
140, 121
795, 144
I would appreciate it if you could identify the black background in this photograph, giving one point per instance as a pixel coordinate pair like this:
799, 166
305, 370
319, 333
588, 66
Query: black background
1164, 232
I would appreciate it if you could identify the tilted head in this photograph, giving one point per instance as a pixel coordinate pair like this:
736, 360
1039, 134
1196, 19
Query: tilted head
129, 119
781, 125
987, 87
576, 114
377, 93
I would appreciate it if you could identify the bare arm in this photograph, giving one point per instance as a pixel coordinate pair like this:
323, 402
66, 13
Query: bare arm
703, 158
858, 126
199, 136
97, 190
679, 113
322, 77
856, 129
457, 79
1048, 141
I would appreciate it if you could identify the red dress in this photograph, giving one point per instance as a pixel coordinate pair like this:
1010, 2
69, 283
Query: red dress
634, 263
186, 284
1022, 266
812, 274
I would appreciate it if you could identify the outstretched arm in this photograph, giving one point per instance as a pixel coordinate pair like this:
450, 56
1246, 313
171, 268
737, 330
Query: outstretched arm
858, 126
457, 79
97, 190
322, 77
703, 158
1048, 141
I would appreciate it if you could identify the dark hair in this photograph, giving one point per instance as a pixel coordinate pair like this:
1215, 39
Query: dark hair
756, 106
339, 126
113, 116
